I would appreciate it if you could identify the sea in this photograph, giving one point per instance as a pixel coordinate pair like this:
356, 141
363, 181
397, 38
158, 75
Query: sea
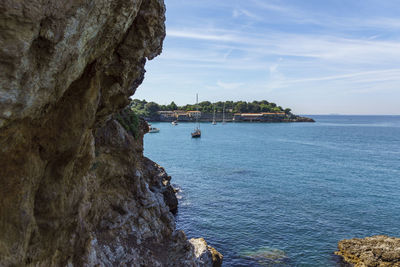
283, 194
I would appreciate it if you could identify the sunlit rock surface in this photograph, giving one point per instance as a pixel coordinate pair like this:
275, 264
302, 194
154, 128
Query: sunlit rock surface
206, 254
75, 188
377, 250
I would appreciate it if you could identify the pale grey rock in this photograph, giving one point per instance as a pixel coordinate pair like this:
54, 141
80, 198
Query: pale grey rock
205, 254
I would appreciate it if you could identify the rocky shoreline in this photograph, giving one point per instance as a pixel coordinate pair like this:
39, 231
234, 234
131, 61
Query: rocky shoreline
228, 118
380, 250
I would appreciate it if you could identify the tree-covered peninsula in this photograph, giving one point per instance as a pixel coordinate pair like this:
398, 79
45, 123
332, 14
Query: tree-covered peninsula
263, 110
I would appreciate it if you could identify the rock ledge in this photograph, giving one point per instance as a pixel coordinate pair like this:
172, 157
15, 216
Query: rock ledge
377, 250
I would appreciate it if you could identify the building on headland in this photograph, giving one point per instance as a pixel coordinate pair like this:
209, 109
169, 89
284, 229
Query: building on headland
264, 116
194, 114
182, 117
166, 115
179, 115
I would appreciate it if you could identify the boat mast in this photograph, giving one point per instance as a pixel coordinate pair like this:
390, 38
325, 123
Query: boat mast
223, 114
214, 114
197, 114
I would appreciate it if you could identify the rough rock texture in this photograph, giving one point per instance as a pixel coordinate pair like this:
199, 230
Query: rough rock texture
377, 250
75, 188
205, 254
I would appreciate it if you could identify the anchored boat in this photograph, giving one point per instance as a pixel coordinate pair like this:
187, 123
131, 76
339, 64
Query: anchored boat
153, 129
197, 132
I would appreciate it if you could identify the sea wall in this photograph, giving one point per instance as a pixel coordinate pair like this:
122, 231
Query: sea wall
75, 187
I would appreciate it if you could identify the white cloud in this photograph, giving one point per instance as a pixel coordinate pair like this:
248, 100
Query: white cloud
230, 86
201, 36
289, 44
278, 47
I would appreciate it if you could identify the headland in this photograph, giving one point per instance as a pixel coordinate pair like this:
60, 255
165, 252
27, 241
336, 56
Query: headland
228, 111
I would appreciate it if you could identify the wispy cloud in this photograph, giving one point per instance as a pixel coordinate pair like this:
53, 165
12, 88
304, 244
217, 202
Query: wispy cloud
289, 44
239, 12
230, 86
272, 7
199, 36
358, 77
303, 16
279, 48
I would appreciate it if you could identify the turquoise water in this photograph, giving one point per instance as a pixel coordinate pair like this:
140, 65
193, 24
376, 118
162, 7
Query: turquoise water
284, 194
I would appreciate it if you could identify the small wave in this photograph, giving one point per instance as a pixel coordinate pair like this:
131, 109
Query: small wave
178, 192
177, 189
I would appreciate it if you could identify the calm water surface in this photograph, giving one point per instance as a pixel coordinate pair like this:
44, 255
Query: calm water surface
284, 194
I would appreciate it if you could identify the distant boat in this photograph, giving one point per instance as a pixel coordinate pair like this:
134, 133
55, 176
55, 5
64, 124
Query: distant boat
153, 129
213, 121
174, 123
197, 132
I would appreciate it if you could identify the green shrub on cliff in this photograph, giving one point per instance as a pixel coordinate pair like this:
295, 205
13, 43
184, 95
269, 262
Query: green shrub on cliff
129, 120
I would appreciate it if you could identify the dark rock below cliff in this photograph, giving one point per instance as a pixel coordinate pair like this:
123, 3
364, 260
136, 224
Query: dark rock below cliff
377, 250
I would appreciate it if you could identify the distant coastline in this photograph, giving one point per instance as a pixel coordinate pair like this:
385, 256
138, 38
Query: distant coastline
227, 111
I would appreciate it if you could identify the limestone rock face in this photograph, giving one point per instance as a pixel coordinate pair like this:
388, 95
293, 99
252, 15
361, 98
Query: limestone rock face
75, 188
377, 250
205, 254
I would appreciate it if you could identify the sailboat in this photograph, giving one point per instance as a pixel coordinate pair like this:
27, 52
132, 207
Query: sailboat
197, 132
223, 115
213, 121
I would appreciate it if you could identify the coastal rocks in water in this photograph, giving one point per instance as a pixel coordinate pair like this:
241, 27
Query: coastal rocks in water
206, 255
377, 250
266, 256
75, 187
301, 119
161, 183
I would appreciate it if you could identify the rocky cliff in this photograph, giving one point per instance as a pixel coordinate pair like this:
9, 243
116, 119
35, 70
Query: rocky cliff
378, 250
75, 188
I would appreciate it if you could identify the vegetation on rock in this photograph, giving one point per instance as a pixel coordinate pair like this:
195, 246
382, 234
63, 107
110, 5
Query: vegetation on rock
129, 120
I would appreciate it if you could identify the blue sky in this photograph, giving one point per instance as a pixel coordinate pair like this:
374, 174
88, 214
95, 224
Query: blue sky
314, 56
